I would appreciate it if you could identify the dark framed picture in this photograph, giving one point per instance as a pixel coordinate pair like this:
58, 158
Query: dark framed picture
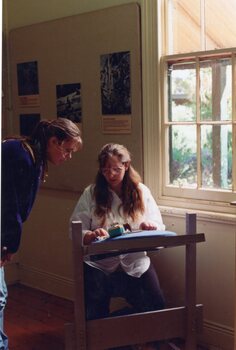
27, 78
115, 83
69, 102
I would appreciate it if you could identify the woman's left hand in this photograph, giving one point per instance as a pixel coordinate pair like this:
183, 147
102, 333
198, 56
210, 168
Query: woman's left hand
147, 226
5, 257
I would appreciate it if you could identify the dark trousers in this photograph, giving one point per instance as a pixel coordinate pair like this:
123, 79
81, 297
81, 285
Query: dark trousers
143, 293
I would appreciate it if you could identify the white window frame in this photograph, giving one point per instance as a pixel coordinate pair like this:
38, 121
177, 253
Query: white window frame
205, 194
153, 124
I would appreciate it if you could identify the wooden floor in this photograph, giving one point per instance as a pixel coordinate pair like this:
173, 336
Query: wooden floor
35, 320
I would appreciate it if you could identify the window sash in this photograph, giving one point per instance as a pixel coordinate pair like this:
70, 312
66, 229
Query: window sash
208, 194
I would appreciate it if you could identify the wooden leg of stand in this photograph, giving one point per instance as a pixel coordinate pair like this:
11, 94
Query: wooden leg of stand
190, 287
70, 336
79, 305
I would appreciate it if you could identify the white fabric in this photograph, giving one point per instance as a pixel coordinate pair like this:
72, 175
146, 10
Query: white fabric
134, 264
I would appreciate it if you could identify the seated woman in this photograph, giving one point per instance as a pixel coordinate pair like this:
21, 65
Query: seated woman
118, 196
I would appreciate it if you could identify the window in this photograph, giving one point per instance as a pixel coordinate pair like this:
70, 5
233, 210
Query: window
199, 25
199, 103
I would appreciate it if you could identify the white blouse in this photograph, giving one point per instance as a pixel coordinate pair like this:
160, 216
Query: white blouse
134, 264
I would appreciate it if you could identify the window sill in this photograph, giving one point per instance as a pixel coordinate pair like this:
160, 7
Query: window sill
208, 216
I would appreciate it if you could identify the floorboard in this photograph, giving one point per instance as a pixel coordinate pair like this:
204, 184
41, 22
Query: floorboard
35, 320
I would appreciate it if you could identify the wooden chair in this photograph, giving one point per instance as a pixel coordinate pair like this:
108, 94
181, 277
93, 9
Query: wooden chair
179, 322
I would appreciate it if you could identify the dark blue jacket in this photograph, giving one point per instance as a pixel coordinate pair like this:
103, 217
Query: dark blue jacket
20, 182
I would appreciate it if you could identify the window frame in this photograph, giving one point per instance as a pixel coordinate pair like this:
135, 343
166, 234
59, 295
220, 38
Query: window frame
170, 190
153, 50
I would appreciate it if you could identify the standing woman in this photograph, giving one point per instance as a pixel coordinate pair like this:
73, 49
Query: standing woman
24, 166
118, 196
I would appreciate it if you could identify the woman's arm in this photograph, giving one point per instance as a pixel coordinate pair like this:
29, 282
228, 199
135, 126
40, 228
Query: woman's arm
83, 212
15, 195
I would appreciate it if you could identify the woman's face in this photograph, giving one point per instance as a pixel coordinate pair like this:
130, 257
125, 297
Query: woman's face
58, 152
114, 171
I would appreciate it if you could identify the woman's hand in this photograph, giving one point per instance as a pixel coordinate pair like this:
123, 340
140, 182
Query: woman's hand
5, 257
91, 236
147, 226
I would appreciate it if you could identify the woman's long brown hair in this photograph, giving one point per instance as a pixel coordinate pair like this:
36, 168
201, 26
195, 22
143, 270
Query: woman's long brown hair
131, 196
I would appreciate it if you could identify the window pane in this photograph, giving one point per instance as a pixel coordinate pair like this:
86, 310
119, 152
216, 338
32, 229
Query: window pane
216, 76
182, 155
200, 25
182, 92
184, 24
220, 24
216, 156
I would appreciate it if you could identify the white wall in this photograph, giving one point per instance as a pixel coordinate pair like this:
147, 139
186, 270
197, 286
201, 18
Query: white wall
45, 254
215, 276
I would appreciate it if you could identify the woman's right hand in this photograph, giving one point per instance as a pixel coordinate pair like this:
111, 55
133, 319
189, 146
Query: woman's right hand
91, 236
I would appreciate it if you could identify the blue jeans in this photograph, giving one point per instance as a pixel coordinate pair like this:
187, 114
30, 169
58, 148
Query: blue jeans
3, 300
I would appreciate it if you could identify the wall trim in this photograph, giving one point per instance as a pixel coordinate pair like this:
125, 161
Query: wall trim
217, 335
150, 74
47, 282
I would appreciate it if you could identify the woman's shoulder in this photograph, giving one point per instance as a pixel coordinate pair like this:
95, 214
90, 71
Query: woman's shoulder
14, 149
11, 144
89, 188
17, 151
143, 187
86, 196
145, 190
88, 191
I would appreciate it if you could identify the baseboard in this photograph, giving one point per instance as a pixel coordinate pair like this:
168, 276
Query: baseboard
47, 282
217, 336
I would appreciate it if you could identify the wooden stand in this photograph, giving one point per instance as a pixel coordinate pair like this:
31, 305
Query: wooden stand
180, 322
